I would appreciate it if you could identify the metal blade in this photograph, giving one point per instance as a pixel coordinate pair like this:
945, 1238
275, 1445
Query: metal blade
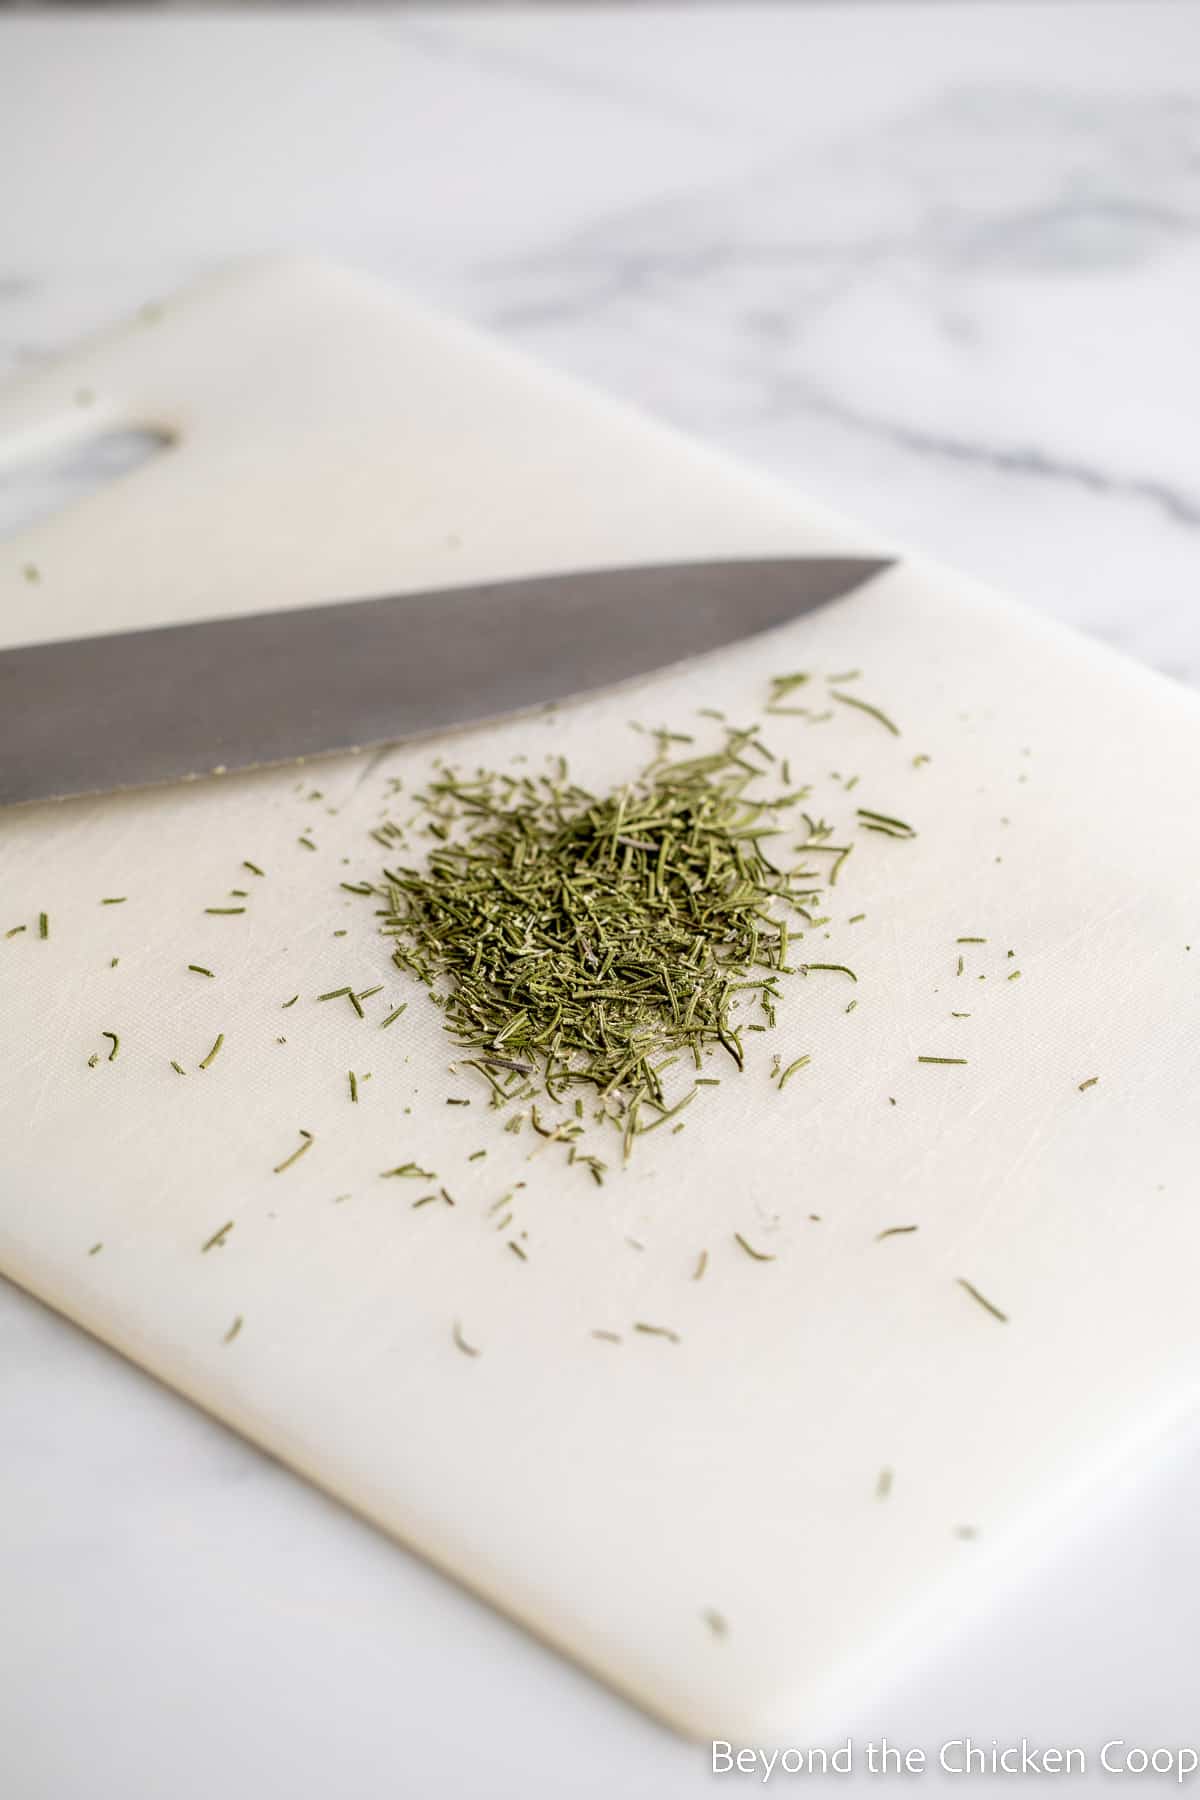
139, 707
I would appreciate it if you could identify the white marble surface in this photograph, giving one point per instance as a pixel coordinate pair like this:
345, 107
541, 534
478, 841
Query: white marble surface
939, 264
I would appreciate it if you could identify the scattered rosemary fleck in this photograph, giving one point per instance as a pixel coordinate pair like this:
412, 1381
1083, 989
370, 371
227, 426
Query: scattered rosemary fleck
233, 1330
942, 1059
116, 900
116, 1044
1089, 1083
411, 1171
217, 1240
460, 1340
353, 1086
95, 1249
93, 1059
701, 1265
213, 1052
758, 1255
43, 925
883, 1486
224, 911
662, 1331
983, 1301
392, 1017
253, 868
15, 931
197, 969
716, 1622
296, 1154
877, 821
865, 706
290, 1002
895, 1231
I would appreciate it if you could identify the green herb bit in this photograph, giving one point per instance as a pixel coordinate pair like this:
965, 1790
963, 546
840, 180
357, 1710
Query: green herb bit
866, 707
831, 968
460, 1340
701, 1265
883, 1486
941, 1059
198, 969
856, 918
15, 931
1015, 976
95, 1249
233, 1330
116, 1044
716, 1622
393, 1016
307, 842
177, 1068
662, 1331
801, 1062
476, 1155
116, 900
758, 1255
296, 1154
895, 1231
783, 685
333, 994
93, 1059
224, 911
983, 1301
517, 1250
217, 1240
970, 940
608, 1337
253, 868
43, 925
220, 1039
878, 821
837, 680
1089, 1083
290, 1002
353, 1086
411, 1171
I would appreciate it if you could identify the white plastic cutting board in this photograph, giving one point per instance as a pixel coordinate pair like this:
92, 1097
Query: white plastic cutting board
331, 441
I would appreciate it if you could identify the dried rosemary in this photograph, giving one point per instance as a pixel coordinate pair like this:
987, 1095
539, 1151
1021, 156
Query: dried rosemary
576, 940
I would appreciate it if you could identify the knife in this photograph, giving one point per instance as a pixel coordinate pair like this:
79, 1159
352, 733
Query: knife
134, 708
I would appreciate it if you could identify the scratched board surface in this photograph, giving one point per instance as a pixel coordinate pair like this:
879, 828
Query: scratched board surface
820, 1451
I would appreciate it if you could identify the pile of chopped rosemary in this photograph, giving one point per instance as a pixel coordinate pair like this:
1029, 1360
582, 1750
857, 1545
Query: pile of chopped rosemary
581, 941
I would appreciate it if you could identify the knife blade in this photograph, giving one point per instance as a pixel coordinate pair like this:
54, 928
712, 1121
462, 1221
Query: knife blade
136, 708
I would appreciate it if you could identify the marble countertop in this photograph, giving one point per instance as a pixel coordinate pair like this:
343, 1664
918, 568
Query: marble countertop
940, 266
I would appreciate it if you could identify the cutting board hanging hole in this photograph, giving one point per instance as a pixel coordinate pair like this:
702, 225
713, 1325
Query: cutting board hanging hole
35, 486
